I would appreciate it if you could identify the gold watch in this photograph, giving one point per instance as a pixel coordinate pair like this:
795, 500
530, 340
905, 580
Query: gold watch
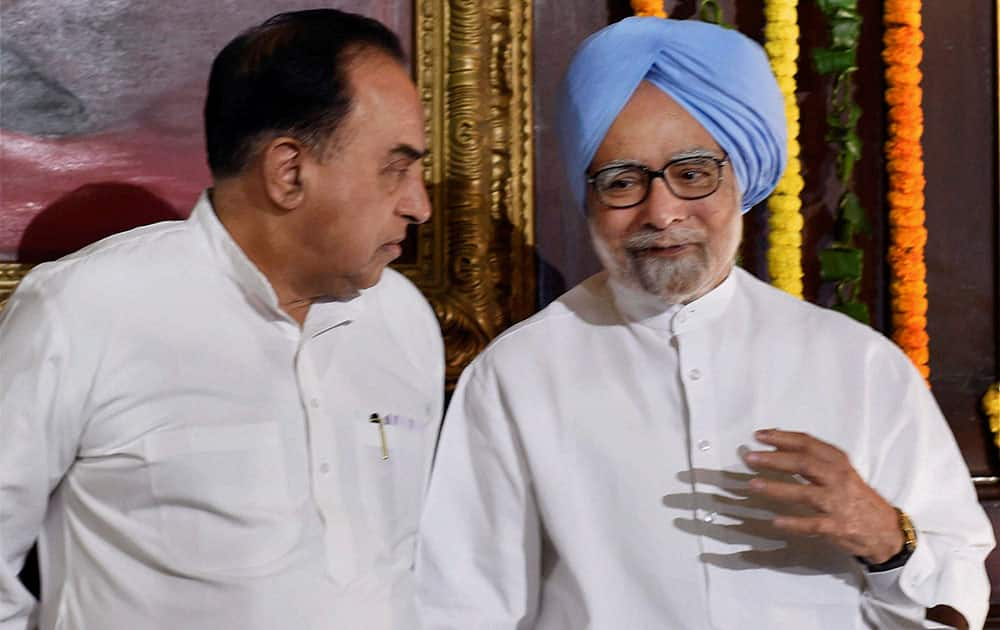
909, 545
909, 533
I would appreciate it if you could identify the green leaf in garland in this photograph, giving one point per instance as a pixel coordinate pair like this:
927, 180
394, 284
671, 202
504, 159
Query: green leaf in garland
845, 14
855, 310
710, 11
845, 165
832, 6
853, 116
850, 153
840, 263
845, 34
853, 214
831, 61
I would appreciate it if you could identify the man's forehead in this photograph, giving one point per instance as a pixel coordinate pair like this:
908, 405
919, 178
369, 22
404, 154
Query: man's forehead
385, 105
661, 157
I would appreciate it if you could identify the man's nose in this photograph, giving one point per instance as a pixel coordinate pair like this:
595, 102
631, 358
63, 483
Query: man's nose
662, 207
415, 205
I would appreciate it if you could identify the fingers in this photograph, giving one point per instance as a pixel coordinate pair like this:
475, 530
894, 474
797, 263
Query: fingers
792, 463
797, 442
804, 525
792, 493
799, 454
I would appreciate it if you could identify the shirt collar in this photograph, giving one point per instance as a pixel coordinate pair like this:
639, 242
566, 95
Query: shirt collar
323, 315
637, 306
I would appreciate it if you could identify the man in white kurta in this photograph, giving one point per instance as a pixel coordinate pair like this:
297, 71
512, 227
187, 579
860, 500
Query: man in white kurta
604, 463
186, 409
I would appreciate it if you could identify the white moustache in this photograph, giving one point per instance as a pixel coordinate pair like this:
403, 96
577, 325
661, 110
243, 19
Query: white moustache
649, 239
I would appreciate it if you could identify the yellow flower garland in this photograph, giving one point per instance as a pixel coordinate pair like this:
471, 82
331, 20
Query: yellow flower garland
904, 161
784, 254
648, 8
991, 405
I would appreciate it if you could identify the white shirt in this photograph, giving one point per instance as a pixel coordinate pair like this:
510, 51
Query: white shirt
189, 457
589, 470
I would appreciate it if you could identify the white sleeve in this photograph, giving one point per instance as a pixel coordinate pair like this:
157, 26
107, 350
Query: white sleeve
435, 356
920, 469
479, 555
35, 448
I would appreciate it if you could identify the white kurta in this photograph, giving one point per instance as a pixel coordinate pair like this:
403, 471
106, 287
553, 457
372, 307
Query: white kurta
189, 457
589, 471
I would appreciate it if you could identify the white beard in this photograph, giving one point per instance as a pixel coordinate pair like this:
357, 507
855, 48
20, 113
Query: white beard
675, 280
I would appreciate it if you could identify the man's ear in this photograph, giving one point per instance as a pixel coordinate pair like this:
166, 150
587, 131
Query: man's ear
281, 169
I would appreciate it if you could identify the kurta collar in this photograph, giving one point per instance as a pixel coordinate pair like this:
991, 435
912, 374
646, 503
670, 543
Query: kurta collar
637, 306
323, 315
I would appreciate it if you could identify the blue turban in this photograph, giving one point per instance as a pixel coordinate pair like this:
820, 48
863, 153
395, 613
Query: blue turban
719, 76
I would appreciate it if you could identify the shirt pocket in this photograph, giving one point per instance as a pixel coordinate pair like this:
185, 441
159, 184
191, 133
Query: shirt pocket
392, 478
222, 495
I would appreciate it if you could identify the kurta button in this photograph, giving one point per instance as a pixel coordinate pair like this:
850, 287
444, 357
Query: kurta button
681, 318
704, 445
708, 518
314, 403
324, 468
694, 374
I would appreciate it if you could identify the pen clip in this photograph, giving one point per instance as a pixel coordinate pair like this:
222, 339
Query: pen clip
380, 424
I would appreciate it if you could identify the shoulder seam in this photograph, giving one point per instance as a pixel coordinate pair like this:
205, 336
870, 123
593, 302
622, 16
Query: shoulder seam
49, 270
531, 322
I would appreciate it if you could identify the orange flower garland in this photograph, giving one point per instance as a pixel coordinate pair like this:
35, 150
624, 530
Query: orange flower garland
904, 157
648, 8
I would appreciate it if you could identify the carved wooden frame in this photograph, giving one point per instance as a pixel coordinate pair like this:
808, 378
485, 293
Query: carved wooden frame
10, 275
475, 258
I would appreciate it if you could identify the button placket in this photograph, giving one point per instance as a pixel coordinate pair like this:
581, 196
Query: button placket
341, 547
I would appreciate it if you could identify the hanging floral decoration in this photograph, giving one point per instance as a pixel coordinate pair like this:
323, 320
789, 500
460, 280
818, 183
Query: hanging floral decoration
842, 261
991, 405
648, 8
710, 11
784, 254
904, 161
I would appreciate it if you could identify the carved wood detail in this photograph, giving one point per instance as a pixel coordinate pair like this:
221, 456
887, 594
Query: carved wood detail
475, 257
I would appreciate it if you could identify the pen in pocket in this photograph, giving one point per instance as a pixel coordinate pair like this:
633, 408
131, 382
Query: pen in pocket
380, 424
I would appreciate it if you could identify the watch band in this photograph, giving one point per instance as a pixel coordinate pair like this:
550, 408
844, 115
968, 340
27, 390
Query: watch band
909, 545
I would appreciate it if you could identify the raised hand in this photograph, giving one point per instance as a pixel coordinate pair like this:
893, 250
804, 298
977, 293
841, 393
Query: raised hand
847, 511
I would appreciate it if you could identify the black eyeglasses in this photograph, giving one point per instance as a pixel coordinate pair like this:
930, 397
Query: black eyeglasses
625, 185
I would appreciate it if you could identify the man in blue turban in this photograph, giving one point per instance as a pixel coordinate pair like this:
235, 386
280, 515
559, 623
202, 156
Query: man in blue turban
601, 463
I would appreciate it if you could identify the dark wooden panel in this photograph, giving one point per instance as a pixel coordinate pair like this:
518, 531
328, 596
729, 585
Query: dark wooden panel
564, 253
993, 566
960, 151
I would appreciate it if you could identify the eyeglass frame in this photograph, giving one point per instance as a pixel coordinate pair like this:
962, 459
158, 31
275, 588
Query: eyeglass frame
660, 174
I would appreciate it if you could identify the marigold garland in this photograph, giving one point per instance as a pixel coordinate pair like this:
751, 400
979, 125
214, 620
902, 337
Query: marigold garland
784, 254
991, 405
648, 8
904, 161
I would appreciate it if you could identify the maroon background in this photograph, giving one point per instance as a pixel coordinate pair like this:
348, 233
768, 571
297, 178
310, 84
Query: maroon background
127, 147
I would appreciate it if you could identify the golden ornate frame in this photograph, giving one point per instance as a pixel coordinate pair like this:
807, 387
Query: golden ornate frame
475, 258
10, 275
